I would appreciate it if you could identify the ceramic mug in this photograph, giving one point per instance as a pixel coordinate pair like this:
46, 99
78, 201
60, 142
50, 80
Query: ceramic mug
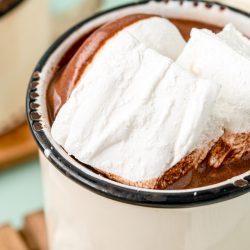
86, 211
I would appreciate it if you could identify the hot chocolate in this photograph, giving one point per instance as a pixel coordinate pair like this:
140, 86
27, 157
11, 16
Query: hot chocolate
222, 159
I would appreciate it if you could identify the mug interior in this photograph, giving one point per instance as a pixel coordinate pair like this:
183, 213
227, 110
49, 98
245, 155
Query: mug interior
202, 11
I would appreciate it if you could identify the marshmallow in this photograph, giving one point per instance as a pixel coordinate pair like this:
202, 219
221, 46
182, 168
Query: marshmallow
224, 58
134, 113
159, 34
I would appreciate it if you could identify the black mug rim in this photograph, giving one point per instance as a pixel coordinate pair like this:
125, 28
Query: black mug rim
11, 7
111, 189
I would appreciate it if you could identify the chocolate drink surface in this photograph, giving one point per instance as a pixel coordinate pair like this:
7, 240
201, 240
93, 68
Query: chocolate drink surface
59, 92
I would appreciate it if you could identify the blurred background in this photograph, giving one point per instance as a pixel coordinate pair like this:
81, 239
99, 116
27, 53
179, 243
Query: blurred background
20, 177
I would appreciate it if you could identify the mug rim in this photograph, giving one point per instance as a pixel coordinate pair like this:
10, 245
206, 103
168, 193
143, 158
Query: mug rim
11, 7
110, 189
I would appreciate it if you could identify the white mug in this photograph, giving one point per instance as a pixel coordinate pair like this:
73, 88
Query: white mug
86, 211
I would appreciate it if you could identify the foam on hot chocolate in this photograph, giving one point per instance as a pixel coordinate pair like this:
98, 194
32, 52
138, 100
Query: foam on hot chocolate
225, 59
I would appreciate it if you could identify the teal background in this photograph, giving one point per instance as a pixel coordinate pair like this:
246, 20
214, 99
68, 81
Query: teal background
20, 192
59, 6
21, 185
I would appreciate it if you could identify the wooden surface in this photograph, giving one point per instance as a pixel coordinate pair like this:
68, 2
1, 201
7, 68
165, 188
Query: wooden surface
17, 146
31, 237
